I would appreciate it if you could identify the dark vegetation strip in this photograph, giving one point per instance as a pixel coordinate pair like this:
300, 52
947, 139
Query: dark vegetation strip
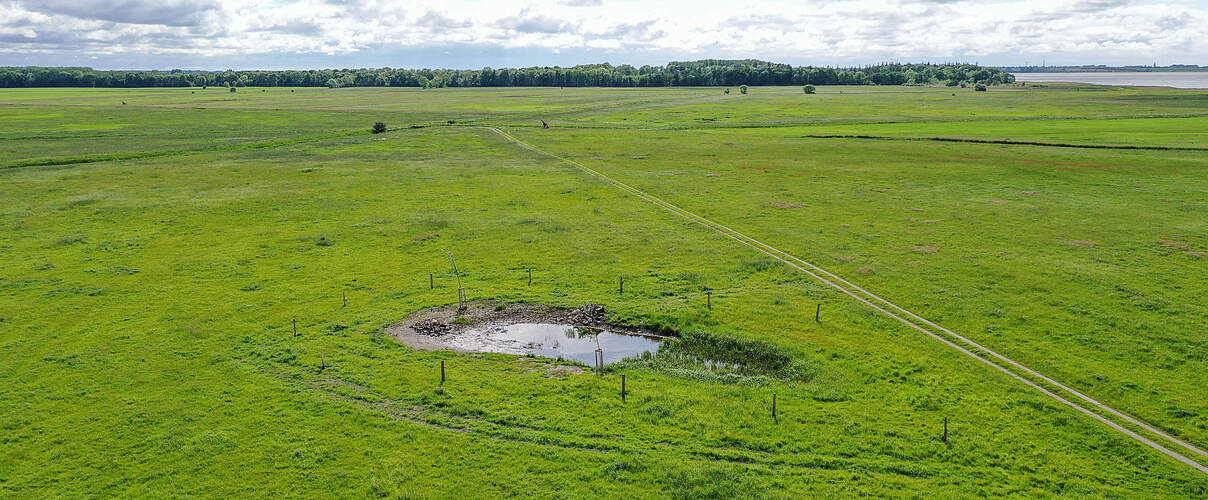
1008, 142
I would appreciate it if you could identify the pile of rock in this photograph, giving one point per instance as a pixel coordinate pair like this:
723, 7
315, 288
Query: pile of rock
587, 315
431, 328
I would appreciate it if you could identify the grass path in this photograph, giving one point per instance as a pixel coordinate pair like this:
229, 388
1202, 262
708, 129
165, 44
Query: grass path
868, 299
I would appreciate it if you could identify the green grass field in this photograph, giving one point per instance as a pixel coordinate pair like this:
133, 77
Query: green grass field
155, 254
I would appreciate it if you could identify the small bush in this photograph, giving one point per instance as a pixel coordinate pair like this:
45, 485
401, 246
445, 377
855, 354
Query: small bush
809, 89
981, 87
233, 89
727, 92
742, 89
379, 127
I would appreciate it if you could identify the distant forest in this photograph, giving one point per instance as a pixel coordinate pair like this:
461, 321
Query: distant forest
695, 73
1099, 68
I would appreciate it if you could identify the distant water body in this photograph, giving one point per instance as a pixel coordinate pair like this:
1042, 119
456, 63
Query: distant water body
1176, 79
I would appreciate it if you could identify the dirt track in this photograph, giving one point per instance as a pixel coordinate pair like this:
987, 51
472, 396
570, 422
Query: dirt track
906, 317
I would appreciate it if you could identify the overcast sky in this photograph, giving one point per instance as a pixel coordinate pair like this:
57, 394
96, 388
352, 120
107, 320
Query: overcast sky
220, 34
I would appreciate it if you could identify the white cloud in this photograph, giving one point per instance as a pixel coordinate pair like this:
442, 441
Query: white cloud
822, 32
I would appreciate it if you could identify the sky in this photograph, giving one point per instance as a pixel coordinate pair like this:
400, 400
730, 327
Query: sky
471, 34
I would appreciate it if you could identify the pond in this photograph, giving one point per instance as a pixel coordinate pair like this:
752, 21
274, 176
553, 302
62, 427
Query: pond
554, 341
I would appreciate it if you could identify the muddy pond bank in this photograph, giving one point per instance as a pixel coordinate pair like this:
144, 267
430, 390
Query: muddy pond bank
537, 329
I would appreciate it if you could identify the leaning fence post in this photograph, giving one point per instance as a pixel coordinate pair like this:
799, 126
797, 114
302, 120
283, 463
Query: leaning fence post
773, 406
530, 271
431, 281
818, 313
709, 299
442, 372
622, 388
622, 284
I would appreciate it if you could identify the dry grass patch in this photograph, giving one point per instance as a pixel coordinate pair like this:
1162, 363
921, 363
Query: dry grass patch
1174, 244
1081, 243
784, 204
866, 271
924, 249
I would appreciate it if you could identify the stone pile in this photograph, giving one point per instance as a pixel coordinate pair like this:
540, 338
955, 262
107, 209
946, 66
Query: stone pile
431, 328
587, 315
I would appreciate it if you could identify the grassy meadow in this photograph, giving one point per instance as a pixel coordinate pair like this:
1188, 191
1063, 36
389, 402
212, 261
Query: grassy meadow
156, 246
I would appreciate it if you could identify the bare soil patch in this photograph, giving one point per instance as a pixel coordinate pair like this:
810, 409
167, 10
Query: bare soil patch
429, 236
1174, 244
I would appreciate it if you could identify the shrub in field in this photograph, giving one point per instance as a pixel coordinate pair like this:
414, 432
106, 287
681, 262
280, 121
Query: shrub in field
742, 89
809, 89
379, 127
233, 89
727, 92
981, 87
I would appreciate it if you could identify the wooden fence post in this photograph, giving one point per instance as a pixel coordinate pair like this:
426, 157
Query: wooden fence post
442, 372
622, 388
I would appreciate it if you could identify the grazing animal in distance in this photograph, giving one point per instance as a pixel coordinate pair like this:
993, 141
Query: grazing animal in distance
543, 123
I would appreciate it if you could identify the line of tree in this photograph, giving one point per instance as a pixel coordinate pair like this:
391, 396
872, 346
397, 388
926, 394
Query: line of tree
695, 73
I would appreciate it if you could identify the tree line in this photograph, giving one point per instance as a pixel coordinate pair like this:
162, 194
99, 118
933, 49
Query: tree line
694, 73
